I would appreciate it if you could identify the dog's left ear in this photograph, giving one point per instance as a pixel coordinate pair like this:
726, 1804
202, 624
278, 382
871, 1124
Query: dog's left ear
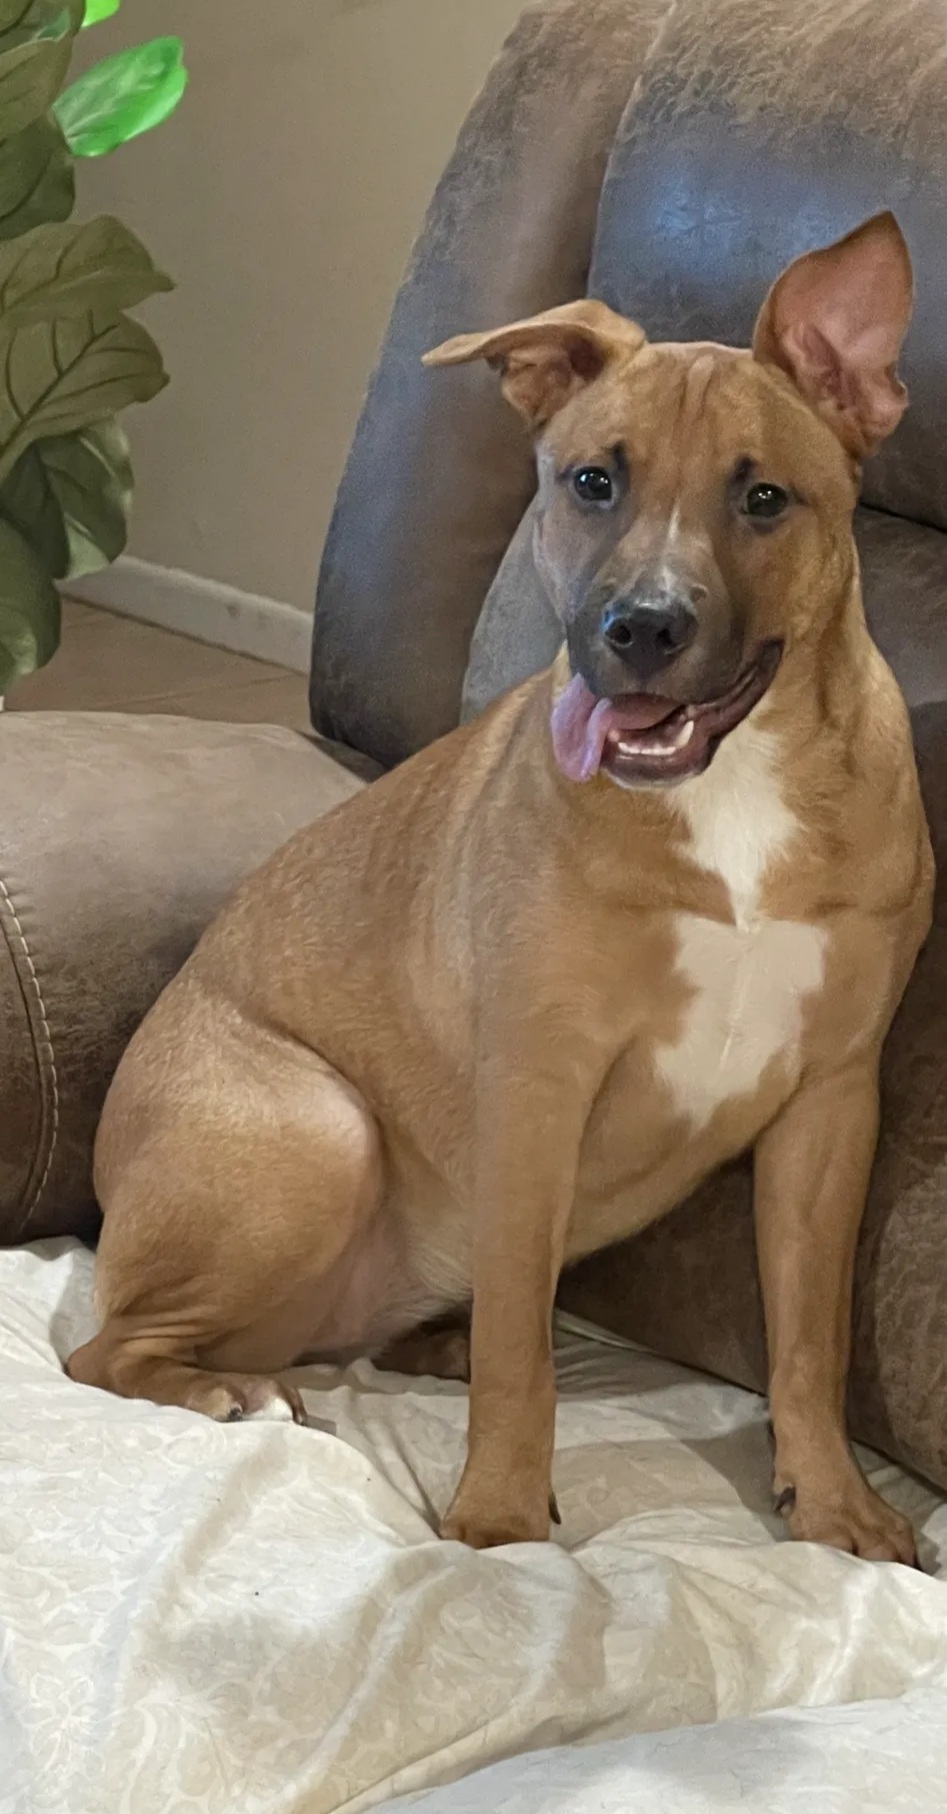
834, 321
544, 361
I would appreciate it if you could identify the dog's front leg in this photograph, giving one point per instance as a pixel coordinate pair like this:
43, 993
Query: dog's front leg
811, 1177
531, 1115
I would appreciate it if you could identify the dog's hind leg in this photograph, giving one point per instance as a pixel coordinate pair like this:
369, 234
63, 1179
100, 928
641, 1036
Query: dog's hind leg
220, 1224
127, 1358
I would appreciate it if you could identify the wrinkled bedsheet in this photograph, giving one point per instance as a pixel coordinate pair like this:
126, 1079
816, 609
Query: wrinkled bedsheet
258, 1619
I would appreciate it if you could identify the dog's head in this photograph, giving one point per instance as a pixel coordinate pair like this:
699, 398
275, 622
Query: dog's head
695, 502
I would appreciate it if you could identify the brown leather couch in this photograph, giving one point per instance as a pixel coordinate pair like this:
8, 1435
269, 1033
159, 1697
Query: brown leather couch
671, 159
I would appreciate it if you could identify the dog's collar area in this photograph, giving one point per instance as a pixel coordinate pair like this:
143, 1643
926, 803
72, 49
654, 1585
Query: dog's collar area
644, 740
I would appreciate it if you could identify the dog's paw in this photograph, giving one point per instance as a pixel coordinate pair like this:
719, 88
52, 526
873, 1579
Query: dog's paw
491, 1526
857, 1521
436, 1353
245, 1398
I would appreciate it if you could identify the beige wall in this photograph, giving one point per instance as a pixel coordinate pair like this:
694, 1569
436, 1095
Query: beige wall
283, 199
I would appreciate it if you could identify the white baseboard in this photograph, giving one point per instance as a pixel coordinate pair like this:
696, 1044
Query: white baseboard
202, 608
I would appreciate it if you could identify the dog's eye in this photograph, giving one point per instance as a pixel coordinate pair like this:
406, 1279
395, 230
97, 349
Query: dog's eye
593, 485
765, 501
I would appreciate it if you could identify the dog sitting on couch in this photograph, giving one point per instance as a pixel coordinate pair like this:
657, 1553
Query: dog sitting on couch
511, 1003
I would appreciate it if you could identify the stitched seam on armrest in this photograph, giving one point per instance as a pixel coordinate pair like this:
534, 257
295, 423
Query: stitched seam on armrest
43, 1046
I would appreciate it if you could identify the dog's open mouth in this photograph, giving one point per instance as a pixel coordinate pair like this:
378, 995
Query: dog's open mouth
642, 739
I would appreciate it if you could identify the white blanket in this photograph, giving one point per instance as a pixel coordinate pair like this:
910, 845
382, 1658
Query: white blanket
258, 1619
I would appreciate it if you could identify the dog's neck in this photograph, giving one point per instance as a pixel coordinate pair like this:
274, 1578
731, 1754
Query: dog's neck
735, 819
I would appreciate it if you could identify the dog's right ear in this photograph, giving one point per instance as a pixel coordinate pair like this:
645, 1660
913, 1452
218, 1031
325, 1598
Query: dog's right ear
544, 361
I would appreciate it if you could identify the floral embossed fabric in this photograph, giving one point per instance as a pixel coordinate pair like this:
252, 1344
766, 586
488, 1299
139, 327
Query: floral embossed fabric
259, 1618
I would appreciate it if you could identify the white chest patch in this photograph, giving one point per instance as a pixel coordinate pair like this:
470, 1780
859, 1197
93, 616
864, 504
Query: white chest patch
750, 986
750, 980
738, 821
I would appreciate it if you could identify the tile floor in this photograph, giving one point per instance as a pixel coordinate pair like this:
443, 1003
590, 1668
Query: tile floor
114, 664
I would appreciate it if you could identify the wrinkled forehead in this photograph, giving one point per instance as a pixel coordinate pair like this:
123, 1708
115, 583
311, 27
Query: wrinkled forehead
693, 405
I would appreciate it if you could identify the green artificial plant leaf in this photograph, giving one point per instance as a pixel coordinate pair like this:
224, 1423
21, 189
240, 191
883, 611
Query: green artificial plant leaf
21, 21
97, 10
123, 96
90, 476
69, 498
31, 76
59, 376
28, 501
37, 180
29, 608
68, 268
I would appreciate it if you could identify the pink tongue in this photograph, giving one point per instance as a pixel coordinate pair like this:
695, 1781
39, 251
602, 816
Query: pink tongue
581, 723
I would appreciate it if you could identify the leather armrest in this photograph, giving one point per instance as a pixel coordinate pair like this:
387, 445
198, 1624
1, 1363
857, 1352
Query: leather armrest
120, 838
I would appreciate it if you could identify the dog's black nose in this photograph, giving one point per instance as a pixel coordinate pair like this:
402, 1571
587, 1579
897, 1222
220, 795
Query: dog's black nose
649, 630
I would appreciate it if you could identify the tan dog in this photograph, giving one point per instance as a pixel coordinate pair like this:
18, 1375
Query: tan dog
516, 999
